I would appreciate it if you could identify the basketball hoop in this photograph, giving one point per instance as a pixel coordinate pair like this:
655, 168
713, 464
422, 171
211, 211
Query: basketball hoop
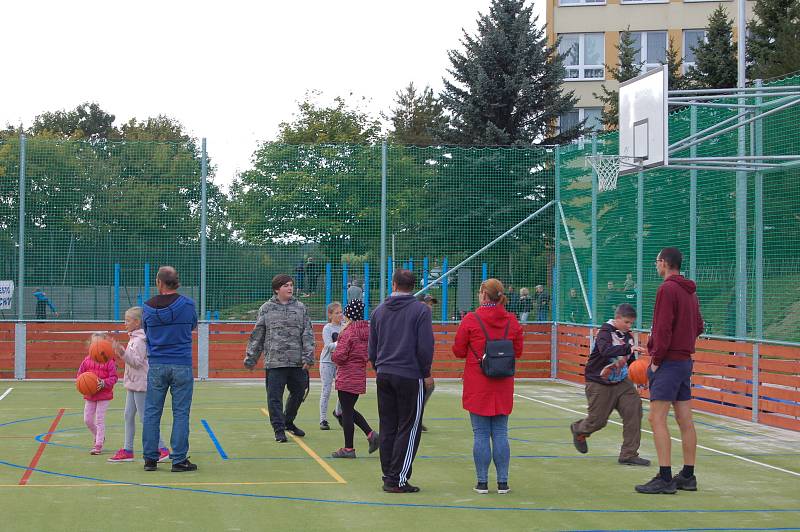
607, 169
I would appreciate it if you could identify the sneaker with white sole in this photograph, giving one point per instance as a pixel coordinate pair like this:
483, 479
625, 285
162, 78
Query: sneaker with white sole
163, 454
97, 449
502, 488
122, 456
481, 487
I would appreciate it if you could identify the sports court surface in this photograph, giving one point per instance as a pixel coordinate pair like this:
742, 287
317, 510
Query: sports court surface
749, 475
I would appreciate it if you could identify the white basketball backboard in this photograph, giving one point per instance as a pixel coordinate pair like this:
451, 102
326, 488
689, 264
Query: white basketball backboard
643, 120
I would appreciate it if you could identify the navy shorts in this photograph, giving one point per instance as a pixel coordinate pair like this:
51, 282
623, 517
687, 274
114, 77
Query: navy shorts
672, 381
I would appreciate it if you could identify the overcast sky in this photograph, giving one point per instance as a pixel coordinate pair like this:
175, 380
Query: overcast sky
229, 71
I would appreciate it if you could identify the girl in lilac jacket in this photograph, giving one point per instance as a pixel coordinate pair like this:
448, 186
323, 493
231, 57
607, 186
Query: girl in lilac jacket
135, 382
351, 356
95, 405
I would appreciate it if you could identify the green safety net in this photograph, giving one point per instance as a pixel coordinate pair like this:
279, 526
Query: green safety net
101, 217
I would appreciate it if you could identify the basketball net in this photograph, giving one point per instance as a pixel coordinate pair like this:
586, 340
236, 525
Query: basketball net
607, 169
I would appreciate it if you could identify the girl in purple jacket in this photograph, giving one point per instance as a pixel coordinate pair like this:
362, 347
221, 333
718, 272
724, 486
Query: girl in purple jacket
95, 406
351, 356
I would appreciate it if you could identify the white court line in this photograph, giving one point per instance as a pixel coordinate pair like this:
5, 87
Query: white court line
744, 459
4, 395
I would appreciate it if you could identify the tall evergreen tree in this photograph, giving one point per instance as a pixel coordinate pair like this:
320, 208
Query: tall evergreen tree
626, 68
715, 57
419, 118
675, 78
506, 86
773, 45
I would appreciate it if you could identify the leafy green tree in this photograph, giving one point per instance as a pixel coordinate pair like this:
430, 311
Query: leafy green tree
418, 118
773, 43
715, 57
506, 86
86, 121
324, 194
625, 69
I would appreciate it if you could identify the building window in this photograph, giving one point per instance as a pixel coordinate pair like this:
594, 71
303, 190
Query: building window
584, 55
651, 48
691, 38
580, 2
645, 1
571, 119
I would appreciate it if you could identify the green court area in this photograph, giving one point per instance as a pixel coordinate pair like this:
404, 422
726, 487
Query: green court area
749, 475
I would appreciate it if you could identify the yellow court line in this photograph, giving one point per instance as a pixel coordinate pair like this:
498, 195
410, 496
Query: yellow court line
331, 471
124, 484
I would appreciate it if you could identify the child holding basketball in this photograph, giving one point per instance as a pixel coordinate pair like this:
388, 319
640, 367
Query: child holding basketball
327, 369
351, 357
96, 404
607, 387
135, 382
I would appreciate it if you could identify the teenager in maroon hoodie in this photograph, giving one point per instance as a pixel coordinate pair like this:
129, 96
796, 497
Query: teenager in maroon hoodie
676, 325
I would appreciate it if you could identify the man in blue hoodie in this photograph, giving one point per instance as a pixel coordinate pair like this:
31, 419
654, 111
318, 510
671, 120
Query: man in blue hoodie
401, 351
168, 320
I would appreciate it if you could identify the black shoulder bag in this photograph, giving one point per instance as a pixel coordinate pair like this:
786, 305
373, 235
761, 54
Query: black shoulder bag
498, 359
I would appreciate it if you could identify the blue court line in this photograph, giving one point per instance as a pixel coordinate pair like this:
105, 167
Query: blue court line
412, 505
220, 450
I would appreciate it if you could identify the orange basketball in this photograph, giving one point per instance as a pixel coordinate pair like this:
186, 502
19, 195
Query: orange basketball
86, 383
101, 350
637, 371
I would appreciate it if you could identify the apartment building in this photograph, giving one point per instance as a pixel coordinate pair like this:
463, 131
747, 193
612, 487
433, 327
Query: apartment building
590, 30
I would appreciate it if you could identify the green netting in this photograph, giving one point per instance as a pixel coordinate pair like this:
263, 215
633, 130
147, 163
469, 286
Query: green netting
102, 216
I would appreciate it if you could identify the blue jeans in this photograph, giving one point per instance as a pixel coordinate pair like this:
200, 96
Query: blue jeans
180, 382
495, 428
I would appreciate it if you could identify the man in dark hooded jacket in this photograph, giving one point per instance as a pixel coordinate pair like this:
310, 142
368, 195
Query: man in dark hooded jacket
401, 351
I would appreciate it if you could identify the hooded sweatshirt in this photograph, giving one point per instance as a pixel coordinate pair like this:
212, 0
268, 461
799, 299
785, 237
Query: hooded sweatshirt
136, 365
609, 344
401, 337
676, 320
168, 328
351, 358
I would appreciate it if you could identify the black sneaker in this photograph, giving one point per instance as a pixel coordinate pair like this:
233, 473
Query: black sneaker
634, 460
280, 436
405, 488
579, 440
481, 487
150, 465
657, 486
374, 440
338, 417
502, 488
291, 427
182, 467
323, 425
685, 484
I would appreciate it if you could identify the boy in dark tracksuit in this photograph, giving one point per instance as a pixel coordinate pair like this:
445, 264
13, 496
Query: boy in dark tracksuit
608, 388
401, 351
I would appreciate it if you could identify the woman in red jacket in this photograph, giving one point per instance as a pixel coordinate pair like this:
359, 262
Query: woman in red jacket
351, 357
488, 400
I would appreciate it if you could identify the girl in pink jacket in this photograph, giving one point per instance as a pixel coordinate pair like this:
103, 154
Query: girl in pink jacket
94, 409
135, 382
351, 357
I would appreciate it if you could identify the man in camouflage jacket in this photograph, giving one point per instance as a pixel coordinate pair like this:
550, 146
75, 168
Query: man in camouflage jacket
283, 333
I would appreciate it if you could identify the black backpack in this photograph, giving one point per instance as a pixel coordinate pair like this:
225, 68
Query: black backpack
498, 360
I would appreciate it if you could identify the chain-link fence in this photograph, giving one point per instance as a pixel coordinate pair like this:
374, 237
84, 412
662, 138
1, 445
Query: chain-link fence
101, 217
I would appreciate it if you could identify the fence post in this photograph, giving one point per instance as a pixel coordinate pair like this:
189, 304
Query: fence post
116, 291
390, 271
757, 145
556, 300
203, 227
639, 246
202, 350
445, 283
344, 283
425, 271
20, 344
21, 233
593, 280
366, 290
383, 222
693, 199
484, 272
328, 294
146, 290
